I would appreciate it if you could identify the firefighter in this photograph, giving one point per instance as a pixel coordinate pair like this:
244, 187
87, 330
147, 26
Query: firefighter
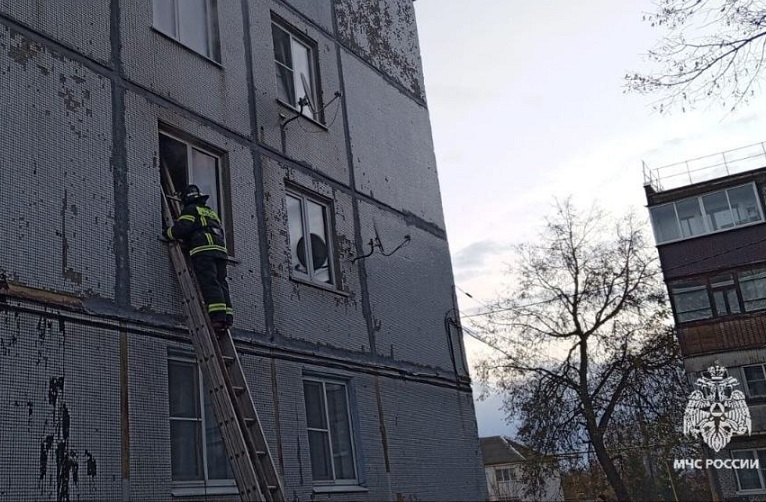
199, 227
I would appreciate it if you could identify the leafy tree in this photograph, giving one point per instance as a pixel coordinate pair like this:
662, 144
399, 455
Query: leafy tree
582, 339
713, 51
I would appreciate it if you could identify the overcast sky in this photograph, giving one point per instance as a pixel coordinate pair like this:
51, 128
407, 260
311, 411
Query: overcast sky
527, 103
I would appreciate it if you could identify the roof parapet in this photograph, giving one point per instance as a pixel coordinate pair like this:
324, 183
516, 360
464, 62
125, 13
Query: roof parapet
705, 168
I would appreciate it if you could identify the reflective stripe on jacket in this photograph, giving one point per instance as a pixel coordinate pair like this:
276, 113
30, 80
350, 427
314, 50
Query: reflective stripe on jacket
200, 228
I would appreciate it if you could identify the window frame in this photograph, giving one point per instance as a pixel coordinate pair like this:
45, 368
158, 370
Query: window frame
355, 482
327, 204
761, 472
735, 287
747, 381
706, 225
223, 193
205, 485
312, 46
211, 23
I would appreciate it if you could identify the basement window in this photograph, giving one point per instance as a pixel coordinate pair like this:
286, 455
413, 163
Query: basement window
193, 23
197, 453
331, 440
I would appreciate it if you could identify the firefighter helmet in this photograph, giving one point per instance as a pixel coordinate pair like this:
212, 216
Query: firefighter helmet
191, 194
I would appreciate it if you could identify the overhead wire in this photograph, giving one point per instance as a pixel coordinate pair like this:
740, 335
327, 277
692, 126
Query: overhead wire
663, 270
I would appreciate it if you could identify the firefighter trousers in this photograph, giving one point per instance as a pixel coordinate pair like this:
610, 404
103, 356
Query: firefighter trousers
211, 277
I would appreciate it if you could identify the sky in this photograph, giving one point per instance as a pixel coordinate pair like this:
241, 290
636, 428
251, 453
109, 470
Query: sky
528, 104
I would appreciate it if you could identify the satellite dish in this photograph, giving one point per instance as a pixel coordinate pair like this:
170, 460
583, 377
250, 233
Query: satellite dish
307, 94
318, 252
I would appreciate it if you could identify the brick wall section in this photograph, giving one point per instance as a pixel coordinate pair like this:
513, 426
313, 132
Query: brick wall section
722, 335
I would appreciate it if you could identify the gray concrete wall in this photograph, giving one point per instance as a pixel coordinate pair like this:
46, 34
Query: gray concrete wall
54, 364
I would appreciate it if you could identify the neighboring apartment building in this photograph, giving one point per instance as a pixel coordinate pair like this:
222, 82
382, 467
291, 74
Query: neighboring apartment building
307, 123
504, 461
708, 220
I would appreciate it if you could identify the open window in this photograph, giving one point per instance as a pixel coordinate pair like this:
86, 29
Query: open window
296, 69
190, 162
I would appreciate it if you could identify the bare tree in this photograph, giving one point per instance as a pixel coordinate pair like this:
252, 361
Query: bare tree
580, 334
713, 51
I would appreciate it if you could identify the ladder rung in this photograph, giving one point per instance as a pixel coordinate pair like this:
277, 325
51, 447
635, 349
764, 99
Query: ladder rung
228, 360
238, 389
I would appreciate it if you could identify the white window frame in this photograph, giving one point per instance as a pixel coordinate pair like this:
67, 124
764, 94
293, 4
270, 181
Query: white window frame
761, 473
352, 437
310, 274
205, 486
705, 223
311, 48
213, 33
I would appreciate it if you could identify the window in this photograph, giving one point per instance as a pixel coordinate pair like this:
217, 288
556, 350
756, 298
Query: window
503, 479
295, 62
194, 23
753, 286
709, 213
329, 431
755, 378
192, 164
503, 475
725, 298
310, 249
198, 456
691, 300
751, 479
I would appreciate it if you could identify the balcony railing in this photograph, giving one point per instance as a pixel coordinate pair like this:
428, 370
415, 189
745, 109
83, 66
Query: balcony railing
705, 168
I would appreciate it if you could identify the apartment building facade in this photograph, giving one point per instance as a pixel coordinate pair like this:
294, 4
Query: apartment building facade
306, 122
708, 220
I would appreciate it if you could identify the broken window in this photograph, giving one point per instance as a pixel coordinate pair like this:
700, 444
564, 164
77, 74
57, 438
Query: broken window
310, 249
329, 431
197, 452
194, 23
295, 60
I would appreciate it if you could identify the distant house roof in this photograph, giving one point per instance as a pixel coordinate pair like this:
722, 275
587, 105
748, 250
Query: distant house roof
500, 450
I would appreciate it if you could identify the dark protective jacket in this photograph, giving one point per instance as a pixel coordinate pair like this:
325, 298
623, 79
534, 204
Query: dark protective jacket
200, 229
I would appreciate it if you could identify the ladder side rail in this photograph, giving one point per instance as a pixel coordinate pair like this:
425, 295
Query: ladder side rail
244, 409
255, 434
255, 437
211, 366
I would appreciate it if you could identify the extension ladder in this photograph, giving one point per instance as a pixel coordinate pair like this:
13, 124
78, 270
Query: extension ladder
248, 452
